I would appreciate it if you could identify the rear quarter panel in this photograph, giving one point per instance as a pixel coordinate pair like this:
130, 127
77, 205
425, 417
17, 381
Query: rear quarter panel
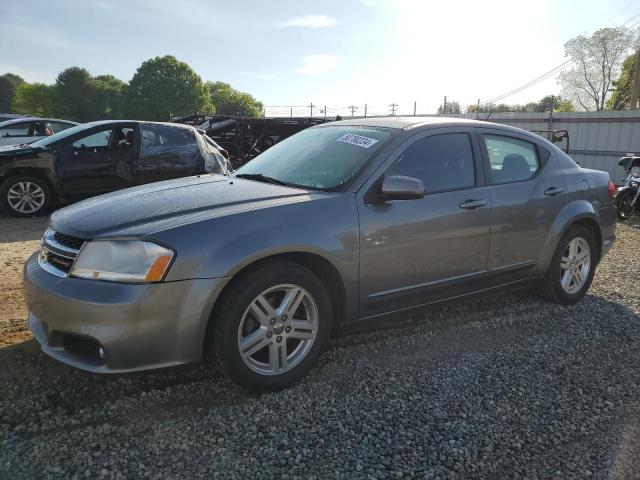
587, 198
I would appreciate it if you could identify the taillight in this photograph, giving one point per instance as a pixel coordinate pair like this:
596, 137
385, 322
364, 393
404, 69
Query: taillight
612, 189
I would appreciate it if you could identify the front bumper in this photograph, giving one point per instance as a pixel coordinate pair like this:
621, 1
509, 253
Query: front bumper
107, 327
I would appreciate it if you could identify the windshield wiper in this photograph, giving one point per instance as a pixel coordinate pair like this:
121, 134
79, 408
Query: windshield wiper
262, 178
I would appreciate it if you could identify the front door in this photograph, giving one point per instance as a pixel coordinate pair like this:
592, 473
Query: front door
99, 161
416, 251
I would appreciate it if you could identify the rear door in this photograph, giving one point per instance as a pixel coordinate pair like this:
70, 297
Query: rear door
527, 194
416, 251
167, 152
98, 161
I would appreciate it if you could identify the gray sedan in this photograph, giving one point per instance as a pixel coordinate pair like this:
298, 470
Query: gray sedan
343, 223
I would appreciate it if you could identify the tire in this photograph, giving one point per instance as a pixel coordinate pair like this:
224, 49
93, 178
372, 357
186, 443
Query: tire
37, 203
551, 288
623, 208
242, 313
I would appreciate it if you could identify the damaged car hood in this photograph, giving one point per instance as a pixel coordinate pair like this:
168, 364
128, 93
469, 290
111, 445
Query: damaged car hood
157, 206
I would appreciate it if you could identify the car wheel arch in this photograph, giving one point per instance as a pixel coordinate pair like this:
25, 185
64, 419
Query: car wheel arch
319, 265
576, 212
30, 172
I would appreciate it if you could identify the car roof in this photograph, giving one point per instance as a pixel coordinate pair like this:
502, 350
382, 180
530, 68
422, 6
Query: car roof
406, 123
31, 119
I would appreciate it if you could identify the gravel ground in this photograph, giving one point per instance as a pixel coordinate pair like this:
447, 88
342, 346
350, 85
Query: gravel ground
507, 386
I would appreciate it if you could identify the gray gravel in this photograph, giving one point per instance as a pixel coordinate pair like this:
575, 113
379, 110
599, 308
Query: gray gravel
508, 386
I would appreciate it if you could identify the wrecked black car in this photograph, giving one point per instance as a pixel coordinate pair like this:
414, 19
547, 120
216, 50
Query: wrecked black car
101, 157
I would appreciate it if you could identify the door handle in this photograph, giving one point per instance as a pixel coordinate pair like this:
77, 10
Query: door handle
472, 204
551, 191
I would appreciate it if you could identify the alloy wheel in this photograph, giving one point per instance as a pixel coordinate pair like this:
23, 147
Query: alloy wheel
26, 197
575, 265
278, 329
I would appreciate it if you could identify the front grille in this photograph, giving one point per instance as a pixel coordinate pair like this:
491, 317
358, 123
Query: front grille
68, 240
58, 261
58, 252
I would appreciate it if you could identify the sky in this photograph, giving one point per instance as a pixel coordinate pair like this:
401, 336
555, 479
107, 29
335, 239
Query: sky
332, 53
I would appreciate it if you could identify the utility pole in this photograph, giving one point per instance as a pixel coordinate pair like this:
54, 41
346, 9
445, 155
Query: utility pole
290, 112
365, 110
415, 104
353, 108
635, 88
393, 108
311, 105
444, 106
478, 110
325, 112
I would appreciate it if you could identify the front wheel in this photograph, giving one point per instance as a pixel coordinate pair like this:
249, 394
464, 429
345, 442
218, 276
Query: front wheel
271, 326
625, 205
572, 267
25, 196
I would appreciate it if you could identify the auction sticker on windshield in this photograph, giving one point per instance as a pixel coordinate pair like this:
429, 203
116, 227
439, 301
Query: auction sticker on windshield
359, 140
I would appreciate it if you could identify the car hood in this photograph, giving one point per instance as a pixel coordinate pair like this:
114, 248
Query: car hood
17, 150
158, 206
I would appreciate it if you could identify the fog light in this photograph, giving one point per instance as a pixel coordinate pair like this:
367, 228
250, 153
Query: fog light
103, 356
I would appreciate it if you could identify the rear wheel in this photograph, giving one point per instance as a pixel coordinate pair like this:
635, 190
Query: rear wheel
25, 196
572, 267
271, 326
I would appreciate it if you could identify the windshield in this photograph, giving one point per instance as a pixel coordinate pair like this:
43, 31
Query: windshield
46, 141
319, 158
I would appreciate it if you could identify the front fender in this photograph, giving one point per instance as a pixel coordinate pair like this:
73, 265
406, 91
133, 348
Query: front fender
326, 227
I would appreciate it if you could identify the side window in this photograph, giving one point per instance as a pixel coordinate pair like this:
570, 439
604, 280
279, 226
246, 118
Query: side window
55, 127
96, 142
165, 140
443, 162
22, 129
511, 159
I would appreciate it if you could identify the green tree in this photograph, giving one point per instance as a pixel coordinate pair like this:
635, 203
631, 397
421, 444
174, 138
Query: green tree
621, 97
545, 104
163, 87
8, 84
229, 101
34, 99
110, 92
77, 95
452, 107
596, 63
565, 106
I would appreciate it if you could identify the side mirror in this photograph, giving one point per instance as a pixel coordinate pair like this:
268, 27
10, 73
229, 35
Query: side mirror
397, 187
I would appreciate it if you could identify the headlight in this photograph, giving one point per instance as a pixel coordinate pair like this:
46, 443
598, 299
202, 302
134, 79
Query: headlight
122, 261
635, 172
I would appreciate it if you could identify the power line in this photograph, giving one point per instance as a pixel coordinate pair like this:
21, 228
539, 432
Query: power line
556, 69
530, 83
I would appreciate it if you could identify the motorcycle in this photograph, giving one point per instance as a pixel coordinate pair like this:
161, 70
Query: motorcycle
628, 196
